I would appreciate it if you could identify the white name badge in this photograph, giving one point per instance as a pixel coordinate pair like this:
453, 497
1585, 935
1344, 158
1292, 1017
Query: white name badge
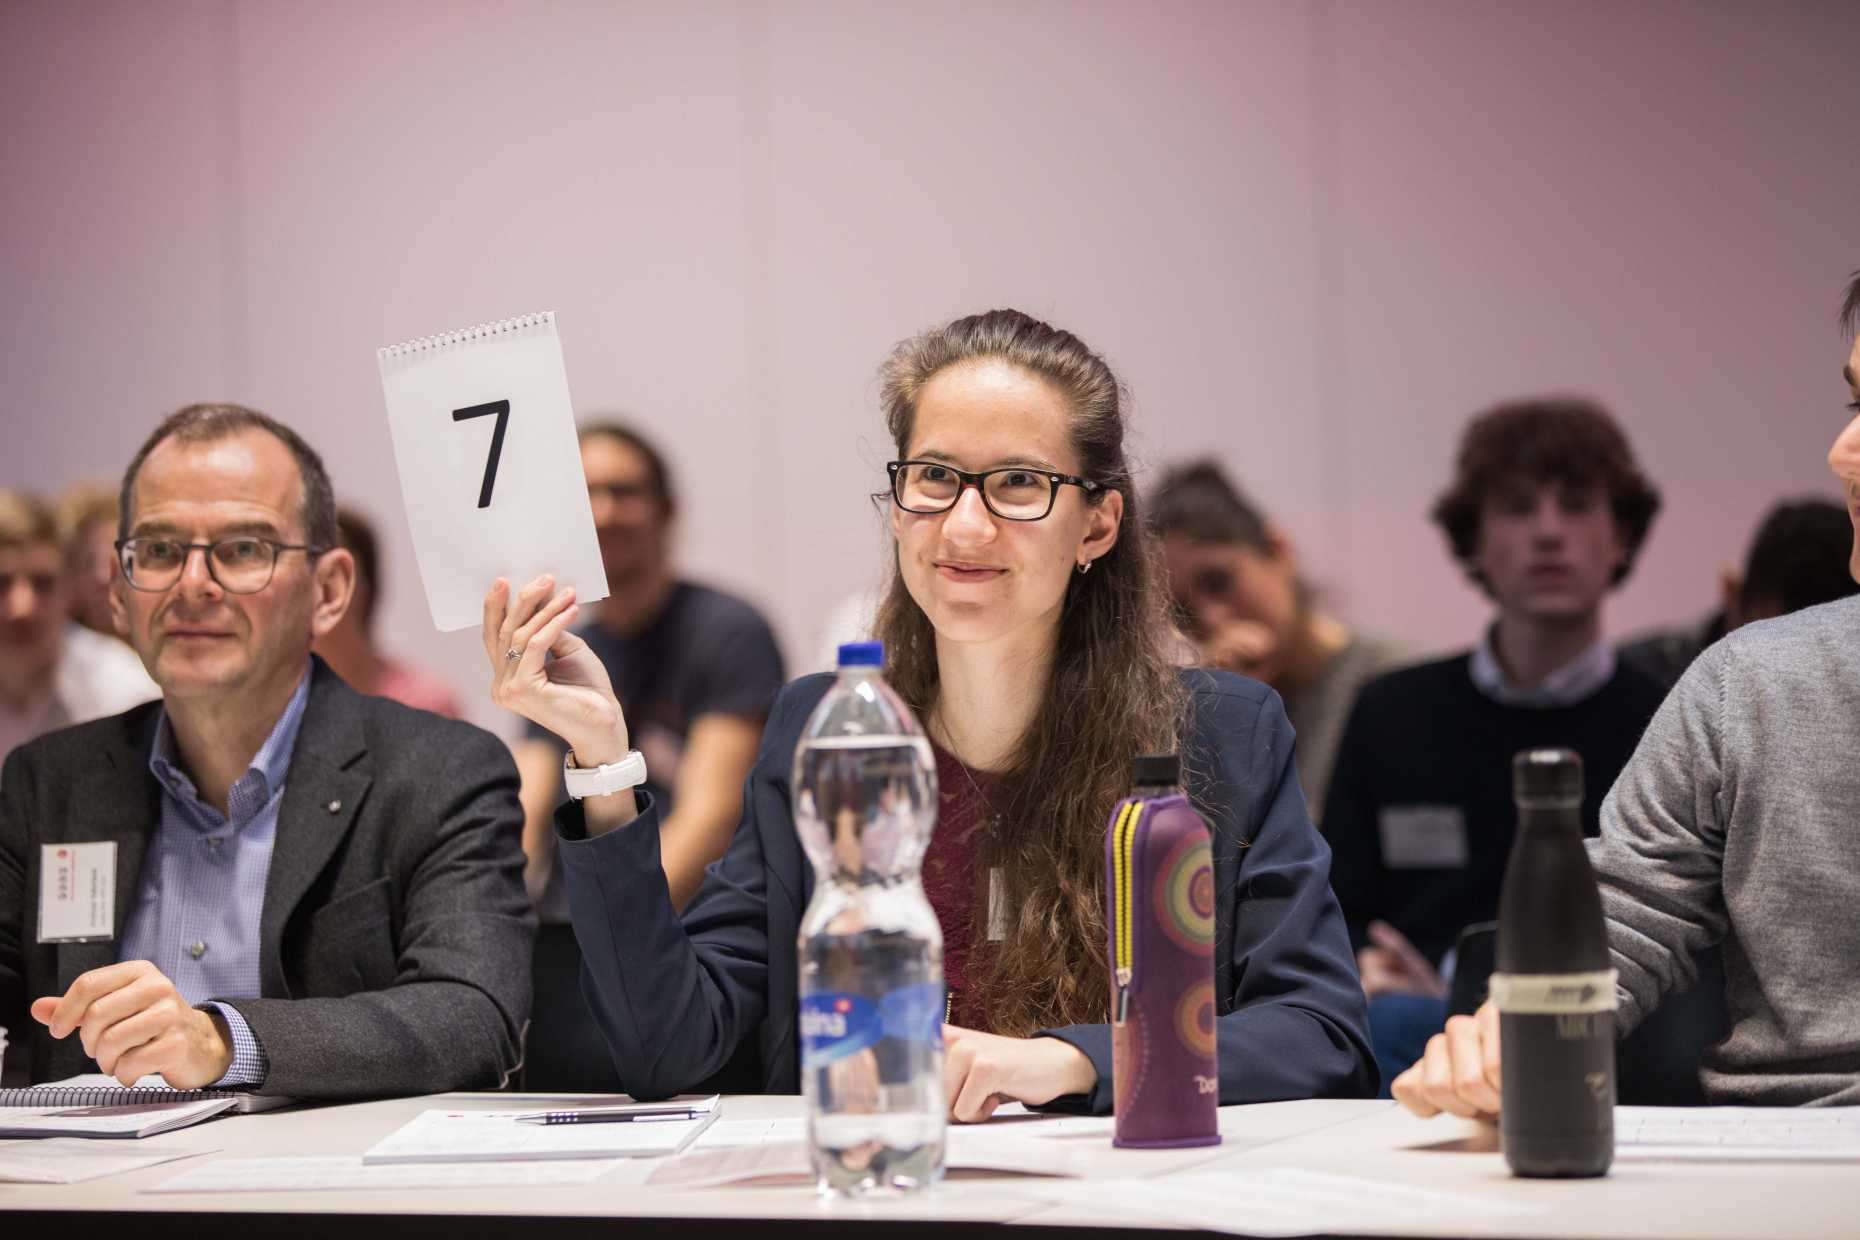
1423, 837
77, 892
490, 468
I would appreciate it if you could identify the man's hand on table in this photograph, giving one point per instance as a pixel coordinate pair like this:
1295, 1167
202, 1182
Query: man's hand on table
1459, 1072
134, 1023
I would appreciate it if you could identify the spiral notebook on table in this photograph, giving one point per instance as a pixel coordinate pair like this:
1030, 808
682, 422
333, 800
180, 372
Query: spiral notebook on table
490, 466
98, 1106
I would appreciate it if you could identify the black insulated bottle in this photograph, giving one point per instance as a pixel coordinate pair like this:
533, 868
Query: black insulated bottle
1554, 985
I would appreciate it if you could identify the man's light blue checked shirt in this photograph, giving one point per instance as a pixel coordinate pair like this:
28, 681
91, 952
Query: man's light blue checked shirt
196, 914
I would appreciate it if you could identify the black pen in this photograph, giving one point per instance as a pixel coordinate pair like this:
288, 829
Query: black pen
610, 1117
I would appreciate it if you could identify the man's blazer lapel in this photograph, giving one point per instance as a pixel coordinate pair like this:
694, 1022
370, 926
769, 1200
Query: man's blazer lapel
323, 791
121, 803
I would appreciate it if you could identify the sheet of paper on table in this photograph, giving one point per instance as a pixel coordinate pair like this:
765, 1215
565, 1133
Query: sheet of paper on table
127, 1121
733, 1133
784, 1162
502, 1136
1737, 1134
72, 1160
745, 1161
736, 1133
348, 1171
1269, 1202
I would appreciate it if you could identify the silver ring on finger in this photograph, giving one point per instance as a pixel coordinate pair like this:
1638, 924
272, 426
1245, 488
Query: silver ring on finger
512, 655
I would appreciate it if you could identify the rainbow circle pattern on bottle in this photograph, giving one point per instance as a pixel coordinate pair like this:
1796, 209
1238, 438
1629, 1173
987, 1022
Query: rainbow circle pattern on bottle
1160, 906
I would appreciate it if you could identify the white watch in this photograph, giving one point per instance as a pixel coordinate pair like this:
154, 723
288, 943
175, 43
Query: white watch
584, 782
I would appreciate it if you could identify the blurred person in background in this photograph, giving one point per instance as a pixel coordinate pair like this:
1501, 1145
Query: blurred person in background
1797, 559
1240, 600
350, 647
698, 669
1734, 825
53, 673
87, 526
1547, 510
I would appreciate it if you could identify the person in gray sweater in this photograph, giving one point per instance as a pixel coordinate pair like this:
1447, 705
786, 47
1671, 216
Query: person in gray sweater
1734, 822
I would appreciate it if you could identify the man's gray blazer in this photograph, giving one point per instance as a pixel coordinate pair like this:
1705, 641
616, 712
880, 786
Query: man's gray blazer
395, 937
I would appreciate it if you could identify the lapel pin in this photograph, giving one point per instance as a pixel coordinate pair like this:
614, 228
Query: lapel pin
335, 807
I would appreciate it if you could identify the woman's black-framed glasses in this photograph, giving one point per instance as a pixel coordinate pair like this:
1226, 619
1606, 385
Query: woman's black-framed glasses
241, 565
1013, 492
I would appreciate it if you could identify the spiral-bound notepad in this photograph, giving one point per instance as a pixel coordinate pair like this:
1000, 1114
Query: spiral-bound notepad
97, 1106
103, 1096
96, 1090
484, 438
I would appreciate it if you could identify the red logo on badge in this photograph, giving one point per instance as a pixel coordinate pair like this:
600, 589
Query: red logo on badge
63, 853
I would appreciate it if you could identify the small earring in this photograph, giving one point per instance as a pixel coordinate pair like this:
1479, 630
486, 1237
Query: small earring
1084, 568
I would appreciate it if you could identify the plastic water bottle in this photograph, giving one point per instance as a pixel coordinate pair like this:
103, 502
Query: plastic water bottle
1555, 985
872, 1002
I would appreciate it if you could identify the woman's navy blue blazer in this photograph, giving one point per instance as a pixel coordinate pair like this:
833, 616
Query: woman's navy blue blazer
676, 998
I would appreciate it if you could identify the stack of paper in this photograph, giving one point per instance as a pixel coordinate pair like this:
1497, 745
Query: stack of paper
632, 1130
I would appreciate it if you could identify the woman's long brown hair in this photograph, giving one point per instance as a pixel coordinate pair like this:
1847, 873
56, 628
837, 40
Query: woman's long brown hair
1111, 694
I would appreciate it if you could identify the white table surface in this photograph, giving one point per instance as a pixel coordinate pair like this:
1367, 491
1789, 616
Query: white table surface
1370, 1140
1645, 1201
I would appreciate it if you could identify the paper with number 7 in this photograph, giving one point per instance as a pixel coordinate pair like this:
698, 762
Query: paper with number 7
490, 468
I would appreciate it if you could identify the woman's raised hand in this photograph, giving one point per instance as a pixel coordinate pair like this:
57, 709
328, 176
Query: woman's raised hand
569, 695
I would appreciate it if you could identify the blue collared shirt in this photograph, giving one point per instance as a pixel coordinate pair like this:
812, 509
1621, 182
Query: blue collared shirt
196, 914
1577, 680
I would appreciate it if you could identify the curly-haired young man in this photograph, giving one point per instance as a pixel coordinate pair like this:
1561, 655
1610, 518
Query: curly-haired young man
1547, 511
1733, 825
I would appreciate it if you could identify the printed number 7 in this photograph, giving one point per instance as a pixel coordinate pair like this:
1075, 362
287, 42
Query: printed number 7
502, 409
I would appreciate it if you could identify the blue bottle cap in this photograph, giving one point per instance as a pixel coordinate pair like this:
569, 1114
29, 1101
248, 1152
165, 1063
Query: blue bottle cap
862, 654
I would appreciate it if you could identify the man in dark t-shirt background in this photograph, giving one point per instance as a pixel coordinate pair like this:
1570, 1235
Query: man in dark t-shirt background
697, 670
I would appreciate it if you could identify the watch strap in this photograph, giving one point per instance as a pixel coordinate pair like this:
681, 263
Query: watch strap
599, 781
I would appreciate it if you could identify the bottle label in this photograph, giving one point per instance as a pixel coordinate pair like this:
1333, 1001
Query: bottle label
1554, 994
834, 1026
914, 1014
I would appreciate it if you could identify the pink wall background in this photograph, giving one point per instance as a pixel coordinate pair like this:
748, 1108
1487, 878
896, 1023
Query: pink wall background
1312, 238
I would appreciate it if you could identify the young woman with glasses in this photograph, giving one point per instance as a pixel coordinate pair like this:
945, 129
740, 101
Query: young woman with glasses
1025, 624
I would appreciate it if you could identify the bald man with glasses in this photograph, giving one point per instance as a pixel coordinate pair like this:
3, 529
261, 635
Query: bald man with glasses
265, 881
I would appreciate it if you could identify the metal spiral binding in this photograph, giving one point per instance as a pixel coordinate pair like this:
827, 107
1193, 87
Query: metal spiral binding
482, 331
102, 1096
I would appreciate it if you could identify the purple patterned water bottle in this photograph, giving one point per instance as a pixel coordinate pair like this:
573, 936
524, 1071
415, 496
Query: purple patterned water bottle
1160, 909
